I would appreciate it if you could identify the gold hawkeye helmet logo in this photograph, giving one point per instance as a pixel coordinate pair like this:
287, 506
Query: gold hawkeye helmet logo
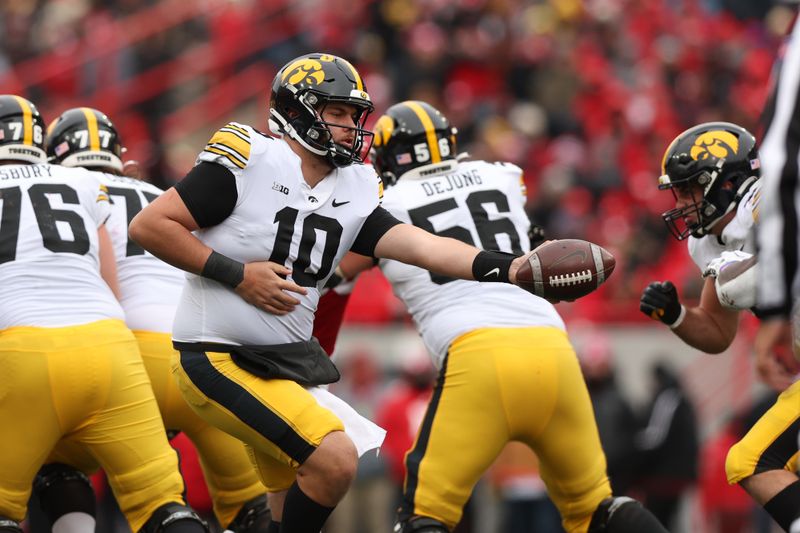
308, 71
383, 130
717, 143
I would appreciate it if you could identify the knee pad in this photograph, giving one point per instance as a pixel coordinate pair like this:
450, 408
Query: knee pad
623, 515
173, 517
9, 526
53, 473
421, 524
254, 516
62, 489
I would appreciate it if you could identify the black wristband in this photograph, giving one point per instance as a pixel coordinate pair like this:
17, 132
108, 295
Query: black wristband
492, 266
223, 269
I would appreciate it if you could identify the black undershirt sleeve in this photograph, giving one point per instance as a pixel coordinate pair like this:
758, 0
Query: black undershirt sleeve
209, 192
377, 224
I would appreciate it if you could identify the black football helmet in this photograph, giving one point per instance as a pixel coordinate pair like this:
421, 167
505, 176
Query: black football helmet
84, 137
413, 139
301, 90
21, 131
718, 158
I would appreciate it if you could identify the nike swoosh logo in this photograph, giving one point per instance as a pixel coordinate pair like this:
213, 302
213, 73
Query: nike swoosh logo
493, 272
582, 253
334, 203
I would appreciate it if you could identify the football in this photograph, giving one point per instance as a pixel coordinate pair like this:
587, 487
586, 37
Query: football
566, 269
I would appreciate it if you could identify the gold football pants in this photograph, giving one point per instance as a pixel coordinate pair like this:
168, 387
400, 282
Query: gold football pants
499, 385
771, 444
87, 384
229, 474
280, 422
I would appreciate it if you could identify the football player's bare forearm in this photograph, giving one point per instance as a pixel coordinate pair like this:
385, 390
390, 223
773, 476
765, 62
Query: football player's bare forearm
705, 332
449, 257
171, 242
414, 246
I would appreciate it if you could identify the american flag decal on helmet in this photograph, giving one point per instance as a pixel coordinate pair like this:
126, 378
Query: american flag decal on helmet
61, 148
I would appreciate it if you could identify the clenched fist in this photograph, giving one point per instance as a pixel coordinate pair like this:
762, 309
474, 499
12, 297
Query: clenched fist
659, 301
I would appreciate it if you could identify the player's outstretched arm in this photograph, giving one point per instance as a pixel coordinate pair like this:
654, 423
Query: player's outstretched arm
709, 327
164, 228
352, 265
443, 255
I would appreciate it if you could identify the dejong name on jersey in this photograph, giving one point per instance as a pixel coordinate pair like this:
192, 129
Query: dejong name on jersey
449, 182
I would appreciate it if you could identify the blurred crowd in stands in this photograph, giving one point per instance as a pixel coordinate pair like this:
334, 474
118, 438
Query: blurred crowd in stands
583, 95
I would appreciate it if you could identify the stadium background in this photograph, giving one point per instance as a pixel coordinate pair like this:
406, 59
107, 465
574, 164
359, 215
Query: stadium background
583, 95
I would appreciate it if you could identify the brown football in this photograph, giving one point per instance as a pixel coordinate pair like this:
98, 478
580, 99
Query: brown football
565, 269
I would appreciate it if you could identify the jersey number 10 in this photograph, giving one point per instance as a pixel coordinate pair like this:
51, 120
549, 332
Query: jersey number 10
286, 219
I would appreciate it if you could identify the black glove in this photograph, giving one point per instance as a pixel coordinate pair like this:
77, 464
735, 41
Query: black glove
660, 302
536, 235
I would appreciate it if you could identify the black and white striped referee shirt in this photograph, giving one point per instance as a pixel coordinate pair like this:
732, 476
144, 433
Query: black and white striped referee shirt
778, 240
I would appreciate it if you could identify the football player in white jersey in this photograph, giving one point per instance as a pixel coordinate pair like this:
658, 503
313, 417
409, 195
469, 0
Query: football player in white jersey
71, 368
260, 223
507, 369
149, 290
713, 170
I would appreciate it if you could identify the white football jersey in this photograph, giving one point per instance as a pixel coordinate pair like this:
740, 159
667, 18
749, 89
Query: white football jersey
737, 235
482, 204
49, 252
149, 288
278, 218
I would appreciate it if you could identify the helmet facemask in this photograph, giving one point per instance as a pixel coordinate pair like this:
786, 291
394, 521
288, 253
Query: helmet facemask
318, 138
320, 133
700, 215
